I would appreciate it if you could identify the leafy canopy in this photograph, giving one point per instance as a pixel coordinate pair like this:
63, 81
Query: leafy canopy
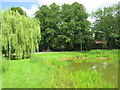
20, 35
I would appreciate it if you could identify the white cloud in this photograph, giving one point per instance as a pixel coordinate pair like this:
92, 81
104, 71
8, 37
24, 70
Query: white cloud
31, 11
91, 19
91, 5
17, 1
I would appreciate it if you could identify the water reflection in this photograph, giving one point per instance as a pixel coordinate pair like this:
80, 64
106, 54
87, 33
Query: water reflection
109, 71
100, 66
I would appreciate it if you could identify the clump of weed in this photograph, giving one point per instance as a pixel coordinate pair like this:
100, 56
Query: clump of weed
88, 79
35, 59
77, 55
59, 63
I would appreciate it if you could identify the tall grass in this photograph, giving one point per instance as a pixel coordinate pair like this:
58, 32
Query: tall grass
113, 54
47, 71
93, 54
88, 79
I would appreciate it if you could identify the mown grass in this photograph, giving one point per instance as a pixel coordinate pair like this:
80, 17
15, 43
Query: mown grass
47, 71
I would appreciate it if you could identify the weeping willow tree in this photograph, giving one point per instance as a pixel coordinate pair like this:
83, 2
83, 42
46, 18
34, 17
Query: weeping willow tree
20, 35
0, 55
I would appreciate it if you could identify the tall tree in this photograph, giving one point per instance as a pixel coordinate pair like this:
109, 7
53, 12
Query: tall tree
76, 25
49, 18
106, 26
20, 35
64, 27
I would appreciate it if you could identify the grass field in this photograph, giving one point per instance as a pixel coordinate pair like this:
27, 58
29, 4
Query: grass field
48, 70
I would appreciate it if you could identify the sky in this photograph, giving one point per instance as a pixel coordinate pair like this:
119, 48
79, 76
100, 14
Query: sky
31, 6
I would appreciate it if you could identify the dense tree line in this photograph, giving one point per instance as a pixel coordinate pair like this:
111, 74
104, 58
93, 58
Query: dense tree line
20, 35
106, 27
64, 27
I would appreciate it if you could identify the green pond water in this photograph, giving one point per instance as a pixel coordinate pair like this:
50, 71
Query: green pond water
108, 70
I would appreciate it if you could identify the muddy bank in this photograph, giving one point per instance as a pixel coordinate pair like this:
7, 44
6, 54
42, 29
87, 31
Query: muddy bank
84, 58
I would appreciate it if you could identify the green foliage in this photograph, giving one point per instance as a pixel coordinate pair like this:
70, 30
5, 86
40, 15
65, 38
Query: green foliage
64, 27
20, 35
19, 10
106, 26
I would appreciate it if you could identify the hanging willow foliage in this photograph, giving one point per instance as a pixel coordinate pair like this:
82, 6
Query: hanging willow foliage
20, 35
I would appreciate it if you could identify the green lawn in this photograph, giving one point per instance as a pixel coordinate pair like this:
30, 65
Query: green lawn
48, 71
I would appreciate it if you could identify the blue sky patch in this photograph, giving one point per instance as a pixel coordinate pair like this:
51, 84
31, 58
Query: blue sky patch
28, 5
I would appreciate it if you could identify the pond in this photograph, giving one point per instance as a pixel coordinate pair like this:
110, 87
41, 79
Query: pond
108, 70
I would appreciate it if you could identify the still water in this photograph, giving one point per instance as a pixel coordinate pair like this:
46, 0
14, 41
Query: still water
109, 71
